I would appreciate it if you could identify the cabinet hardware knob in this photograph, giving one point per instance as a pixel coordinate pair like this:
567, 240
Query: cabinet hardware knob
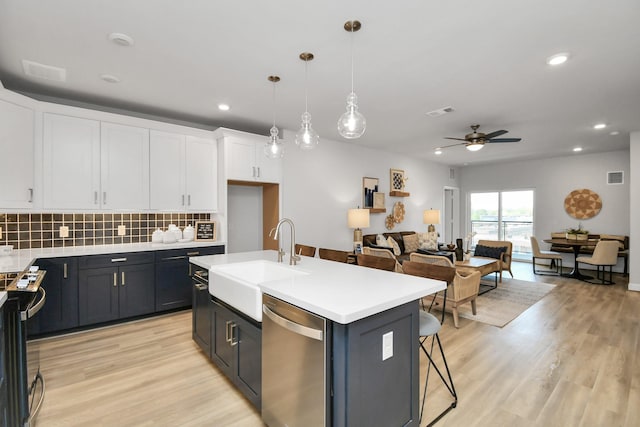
115, 279
122, 273
95, 197
183, 200
118, 259
104, 197
64, 271
31, 195
189, 200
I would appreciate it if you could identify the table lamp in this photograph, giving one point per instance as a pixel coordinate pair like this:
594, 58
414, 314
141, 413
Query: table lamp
356, 219
431, 216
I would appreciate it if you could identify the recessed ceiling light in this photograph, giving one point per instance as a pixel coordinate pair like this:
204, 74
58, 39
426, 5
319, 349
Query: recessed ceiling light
121, 39
600, 126
224, 107
438, 151
110, 78
577, 149
614, 133
557, 59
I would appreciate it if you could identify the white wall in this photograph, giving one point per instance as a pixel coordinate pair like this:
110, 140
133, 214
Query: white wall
320, 185
634, 210
553, 179
244, 205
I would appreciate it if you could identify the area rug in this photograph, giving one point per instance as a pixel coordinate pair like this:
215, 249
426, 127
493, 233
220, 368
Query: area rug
500, 306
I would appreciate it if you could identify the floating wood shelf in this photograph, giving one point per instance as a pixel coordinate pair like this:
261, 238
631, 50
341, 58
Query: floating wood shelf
399, 194
377, 210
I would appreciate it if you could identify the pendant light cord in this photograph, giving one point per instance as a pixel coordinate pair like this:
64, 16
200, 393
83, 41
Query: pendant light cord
274, 104
352, 59
306, 86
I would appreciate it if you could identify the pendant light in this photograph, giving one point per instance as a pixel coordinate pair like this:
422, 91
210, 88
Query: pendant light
306, 138
274, 149
352, 124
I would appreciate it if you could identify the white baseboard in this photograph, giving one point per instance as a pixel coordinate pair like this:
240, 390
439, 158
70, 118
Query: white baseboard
634, 287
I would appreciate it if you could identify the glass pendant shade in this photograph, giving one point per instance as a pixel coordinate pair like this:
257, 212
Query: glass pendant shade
274, 149
352, 124
306, 137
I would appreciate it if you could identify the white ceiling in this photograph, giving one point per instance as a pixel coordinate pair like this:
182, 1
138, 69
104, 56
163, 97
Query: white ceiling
486, 59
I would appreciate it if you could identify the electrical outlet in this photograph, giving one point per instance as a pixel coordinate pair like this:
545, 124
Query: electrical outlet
122, 230
387, 345
64, 231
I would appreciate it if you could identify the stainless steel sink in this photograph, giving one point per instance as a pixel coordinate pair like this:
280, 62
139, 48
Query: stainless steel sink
237, 284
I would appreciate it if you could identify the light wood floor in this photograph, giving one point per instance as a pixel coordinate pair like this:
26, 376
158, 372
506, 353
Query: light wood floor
570, 360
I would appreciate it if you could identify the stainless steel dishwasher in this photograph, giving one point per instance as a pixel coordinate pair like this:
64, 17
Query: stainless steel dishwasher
294, 366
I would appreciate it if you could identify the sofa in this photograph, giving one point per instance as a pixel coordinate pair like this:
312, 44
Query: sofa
370, 241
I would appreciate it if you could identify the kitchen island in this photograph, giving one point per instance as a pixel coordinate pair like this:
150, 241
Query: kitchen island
370, 354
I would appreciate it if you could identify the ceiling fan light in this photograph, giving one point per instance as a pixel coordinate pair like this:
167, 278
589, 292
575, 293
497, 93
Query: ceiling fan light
474, 146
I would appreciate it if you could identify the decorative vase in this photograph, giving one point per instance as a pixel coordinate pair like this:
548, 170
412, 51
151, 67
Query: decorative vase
467, 256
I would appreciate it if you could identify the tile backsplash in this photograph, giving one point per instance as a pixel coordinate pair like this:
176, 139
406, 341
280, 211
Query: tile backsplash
41, 230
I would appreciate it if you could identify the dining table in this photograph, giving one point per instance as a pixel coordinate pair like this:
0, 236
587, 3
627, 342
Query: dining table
576, 245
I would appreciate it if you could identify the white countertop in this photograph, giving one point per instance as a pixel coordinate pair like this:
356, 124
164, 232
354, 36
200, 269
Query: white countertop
340, 292
22, 258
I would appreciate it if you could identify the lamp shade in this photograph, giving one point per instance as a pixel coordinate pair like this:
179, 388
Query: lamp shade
431, 216
358, 218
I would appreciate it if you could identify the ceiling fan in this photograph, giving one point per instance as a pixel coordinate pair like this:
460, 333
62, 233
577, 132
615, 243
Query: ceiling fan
475, 141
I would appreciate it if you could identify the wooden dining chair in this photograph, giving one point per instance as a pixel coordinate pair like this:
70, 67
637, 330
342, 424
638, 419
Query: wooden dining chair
378, 262
334, 255
305, 250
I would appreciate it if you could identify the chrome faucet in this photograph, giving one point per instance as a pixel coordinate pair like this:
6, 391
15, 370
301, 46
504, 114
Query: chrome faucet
293, 258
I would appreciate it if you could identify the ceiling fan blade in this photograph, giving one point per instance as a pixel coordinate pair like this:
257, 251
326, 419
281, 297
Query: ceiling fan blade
455, 145
505, 140
496, 133
457, 139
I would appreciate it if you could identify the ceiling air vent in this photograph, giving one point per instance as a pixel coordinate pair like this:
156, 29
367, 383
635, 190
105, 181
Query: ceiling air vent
42, 71
615, 178
440, 112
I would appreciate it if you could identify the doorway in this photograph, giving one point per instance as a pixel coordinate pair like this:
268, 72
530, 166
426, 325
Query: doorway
450, 214
253, 210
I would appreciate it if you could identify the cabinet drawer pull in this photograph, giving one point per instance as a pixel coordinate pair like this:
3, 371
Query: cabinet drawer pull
234, 340
122, 273
201, 287
31, 195
115, 279
258, 171
64, 271
227, 334
118, 259
193, 253
174, 257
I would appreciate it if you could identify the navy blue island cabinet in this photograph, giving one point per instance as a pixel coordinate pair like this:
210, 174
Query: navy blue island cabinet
367, 390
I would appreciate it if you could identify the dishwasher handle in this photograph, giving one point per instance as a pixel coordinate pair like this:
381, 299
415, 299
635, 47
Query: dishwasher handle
294, 327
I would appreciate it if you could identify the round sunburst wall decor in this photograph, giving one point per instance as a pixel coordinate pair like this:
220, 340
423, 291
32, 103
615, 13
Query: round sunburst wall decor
582, 204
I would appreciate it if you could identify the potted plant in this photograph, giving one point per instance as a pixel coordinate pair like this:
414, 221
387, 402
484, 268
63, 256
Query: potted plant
577, 233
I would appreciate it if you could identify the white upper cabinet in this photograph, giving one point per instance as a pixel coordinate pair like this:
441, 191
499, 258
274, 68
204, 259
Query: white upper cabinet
17, 151
245, 159
183, 172
71, 163
124, 166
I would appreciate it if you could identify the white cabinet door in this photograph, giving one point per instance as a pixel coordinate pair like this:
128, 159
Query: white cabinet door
167, 183
183, 172
201, 174
17, 151
246, 160
124, 166
71, 164
241, 159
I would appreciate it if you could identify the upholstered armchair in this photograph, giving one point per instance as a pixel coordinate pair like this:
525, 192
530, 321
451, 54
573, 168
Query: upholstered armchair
464, 288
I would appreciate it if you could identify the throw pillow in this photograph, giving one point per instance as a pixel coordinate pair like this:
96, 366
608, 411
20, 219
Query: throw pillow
393, 244
411, 242
490, 252
382, 241
428, 241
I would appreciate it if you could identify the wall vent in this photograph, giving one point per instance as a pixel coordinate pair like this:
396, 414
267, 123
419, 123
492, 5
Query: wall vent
615, 178
41, 71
